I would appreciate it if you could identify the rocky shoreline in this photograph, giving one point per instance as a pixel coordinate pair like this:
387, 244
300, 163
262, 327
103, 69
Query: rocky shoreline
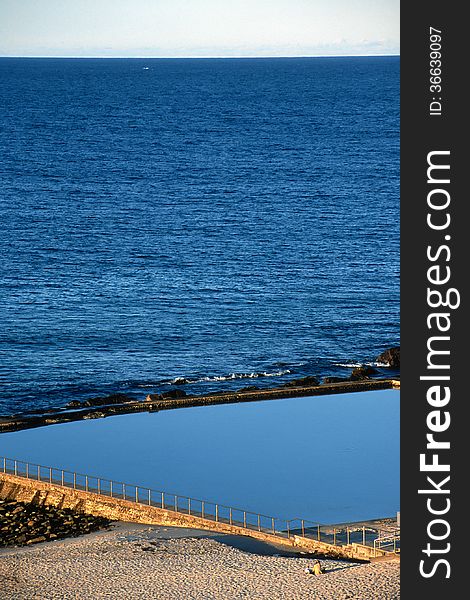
361, 379
156, 402
22, 524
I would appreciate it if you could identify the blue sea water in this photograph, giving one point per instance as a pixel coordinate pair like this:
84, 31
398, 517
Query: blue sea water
223, 222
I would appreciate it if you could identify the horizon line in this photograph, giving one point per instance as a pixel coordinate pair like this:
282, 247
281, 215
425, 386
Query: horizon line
208, 57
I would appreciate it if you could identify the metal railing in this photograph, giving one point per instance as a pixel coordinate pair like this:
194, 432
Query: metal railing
390, 542
211, 511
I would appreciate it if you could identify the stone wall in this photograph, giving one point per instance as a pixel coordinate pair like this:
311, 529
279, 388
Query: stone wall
154, 402
30, 490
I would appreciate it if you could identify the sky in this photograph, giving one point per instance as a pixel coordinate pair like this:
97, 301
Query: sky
198, 28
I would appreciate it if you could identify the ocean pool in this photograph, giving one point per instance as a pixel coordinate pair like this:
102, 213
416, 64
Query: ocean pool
324, 458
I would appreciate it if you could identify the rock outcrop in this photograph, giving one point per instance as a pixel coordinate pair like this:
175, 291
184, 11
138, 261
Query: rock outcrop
361, 373
390, 357
302, 382
101, 401
332, 379
24, 523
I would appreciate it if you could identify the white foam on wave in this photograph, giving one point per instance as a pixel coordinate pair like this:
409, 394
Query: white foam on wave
356, 365
231, 376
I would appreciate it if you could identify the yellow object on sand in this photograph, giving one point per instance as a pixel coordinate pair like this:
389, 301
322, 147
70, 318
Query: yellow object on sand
317, 569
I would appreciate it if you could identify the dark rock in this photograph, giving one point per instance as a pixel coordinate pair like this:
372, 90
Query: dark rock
328, 380
390, 357
248, 388
302, 382
100, 401
362, 373
171, 394
22, 523
106, 400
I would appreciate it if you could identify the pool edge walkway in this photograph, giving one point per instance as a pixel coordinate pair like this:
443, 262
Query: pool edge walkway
25, 489
154, 402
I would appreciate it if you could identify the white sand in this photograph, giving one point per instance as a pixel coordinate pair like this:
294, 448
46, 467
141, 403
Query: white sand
139, 562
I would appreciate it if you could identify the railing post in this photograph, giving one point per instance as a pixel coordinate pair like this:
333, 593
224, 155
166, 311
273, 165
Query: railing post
39, 473
216, 513
259, 523
318, 533
86, 483
163, 499
4, 464
288, 530
274, 529
123, 491
150, 501
74, 480
98, 483
230, 515
16, 467
50, 474
176, 503
189, 506
27, 470
202, 509
348, 536
136, 494
244, 519
302, 524
111, 489
62, 478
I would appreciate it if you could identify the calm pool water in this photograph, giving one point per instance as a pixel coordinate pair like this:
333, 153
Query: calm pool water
328, 459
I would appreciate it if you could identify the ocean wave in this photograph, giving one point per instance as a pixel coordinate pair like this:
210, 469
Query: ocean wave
356, 365
229, 377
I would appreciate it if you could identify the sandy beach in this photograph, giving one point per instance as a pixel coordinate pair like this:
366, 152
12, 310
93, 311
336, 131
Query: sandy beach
143, 562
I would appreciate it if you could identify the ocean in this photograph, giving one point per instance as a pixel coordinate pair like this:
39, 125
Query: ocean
200, 223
